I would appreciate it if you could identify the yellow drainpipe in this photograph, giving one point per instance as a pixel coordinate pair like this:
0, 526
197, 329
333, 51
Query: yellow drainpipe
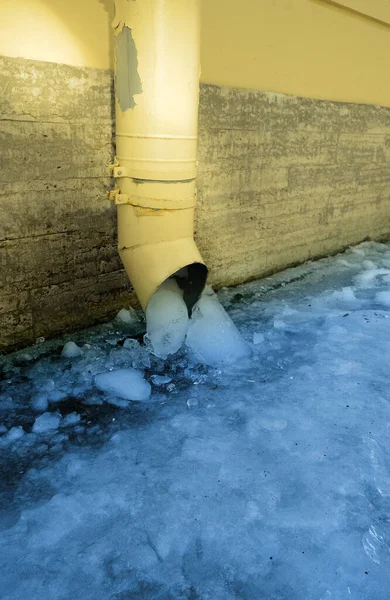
156, 96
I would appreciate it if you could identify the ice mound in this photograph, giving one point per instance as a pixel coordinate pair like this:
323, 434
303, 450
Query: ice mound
212, 336
46, 422
128, 384
166, 319
71, 350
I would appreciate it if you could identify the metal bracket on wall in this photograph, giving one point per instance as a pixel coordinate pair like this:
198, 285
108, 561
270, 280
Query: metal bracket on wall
115, 196
116, 171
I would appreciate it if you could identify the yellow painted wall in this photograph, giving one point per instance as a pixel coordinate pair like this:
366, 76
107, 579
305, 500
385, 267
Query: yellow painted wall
304, 47
75, 32
379, 9
311, 48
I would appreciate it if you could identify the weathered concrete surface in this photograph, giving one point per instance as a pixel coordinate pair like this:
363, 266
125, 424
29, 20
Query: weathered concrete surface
285, 179
281, 180
59, 266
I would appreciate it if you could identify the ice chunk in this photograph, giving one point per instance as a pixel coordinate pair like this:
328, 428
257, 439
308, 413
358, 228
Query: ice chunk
49, 385
161, 379
57, 395
131, 344
167, 319
70, 419
3, 429
134, 355
71, 350
46, 422
127, 316
212, 336
279, 323
40, 402
125, 383
15, 433
383, 298
258, 338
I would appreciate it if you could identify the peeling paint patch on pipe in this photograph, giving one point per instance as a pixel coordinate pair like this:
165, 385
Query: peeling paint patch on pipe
128, 81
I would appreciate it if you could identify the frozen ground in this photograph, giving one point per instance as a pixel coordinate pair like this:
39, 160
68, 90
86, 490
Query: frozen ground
262, 480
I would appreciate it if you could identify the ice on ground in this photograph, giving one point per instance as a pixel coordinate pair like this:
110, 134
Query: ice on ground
46, 422
70, 419
368, 279
346, 294
131, 344
128, 384
166, 319
161, 379
71, 350
377, 545
212, 336
383, 297
40, 402
265, 478
258, 338
358, 250
127, 316
369, 265
15, 433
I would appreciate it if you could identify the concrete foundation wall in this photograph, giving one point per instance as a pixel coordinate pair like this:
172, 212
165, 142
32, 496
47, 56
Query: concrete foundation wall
281, 180
59, 267
284, 179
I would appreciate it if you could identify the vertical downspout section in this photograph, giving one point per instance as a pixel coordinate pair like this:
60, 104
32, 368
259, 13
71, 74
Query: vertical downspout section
157, 95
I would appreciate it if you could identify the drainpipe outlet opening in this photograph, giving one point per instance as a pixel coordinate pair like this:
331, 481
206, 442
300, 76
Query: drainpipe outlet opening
191, 280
